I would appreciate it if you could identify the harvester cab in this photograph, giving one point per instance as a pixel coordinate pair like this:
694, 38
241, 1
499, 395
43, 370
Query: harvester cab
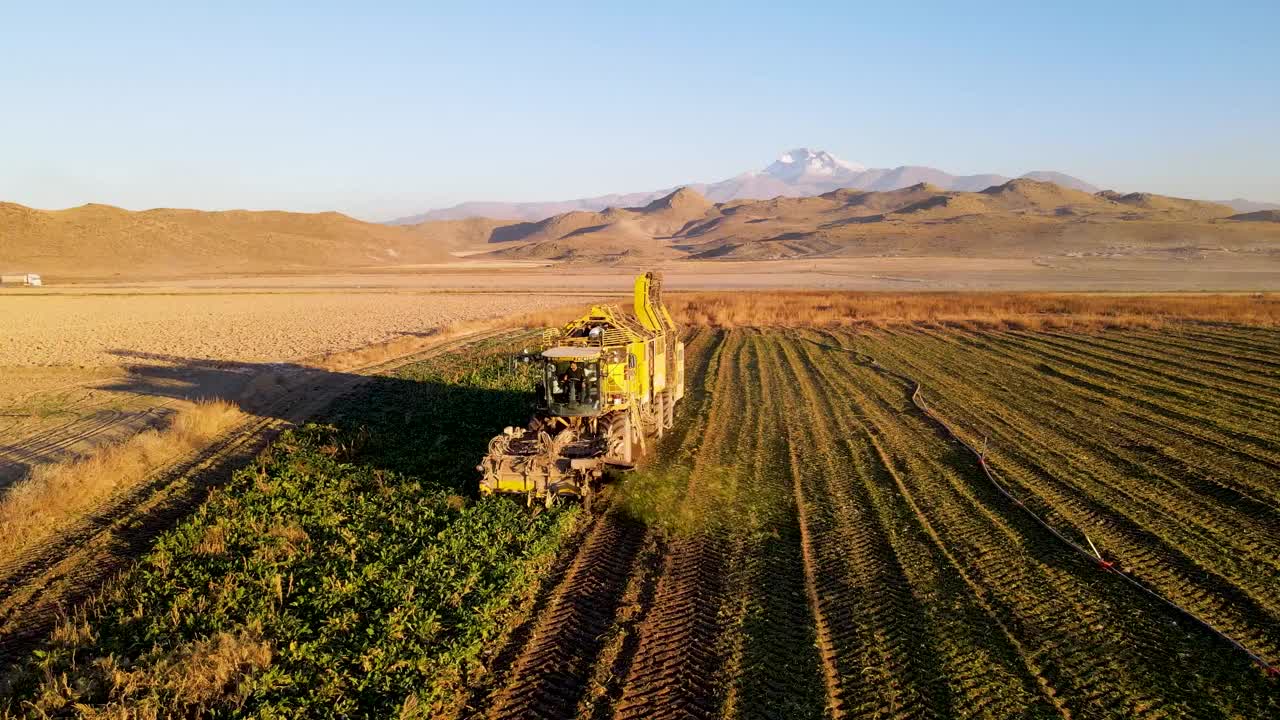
572, 386
610, 380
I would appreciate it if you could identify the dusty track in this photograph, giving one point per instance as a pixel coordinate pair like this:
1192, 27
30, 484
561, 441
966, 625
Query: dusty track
36, 588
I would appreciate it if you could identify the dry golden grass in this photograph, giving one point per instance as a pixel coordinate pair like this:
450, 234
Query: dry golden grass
54, 495
1025, 311
210, 674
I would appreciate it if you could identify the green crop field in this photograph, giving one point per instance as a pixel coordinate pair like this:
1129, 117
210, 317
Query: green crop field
808, 543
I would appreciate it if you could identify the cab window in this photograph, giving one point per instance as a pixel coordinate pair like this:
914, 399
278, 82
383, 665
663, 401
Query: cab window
573, 382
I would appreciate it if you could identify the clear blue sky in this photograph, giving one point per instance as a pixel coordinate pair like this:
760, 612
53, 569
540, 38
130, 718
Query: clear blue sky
382, 109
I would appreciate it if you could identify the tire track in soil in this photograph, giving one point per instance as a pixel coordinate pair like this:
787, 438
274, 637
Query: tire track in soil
774, 667
1041, 614
550, 675
676, 670
1199, 368
1156, 529
990, 674
55, 444
1158, 501
863, 605
1161, 491
1235, 341
39, 587
1172, 413
1108, 651
1136, 421
554, 663
702, 353
1158, 373
1177, 564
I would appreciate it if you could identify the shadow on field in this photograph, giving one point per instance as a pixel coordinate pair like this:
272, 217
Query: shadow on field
417, 421
430, 421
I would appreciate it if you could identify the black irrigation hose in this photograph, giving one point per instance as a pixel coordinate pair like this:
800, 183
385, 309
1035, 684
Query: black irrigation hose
917, 399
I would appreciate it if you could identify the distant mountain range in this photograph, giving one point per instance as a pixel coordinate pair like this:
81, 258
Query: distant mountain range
798, 173
1021, 218
1018, 218
1241, 205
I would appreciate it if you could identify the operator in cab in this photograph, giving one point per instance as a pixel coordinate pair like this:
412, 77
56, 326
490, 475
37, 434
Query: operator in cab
574, 379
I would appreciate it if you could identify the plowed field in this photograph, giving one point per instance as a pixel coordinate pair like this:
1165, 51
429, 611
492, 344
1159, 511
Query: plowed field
813, 544
895, 523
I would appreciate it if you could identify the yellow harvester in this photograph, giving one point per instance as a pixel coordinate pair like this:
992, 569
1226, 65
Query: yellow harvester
609, 380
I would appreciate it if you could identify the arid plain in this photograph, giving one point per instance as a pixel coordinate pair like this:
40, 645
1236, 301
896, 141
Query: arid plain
74, 350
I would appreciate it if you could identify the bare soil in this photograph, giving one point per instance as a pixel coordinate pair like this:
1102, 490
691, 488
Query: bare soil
118, 328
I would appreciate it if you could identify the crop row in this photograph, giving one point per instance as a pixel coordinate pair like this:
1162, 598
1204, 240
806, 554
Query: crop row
1064, 451
342, 574
815, 546
1086, 461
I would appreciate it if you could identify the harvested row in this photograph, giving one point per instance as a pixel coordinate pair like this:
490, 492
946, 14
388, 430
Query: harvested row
1064, 464
1062, 610
1120, 478
715, 619
775, 666
552, 674
1002, 558
859, 589
673, 671
817, 548
902, 634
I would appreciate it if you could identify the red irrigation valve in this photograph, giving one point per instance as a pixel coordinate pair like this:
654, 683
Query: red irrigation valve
1106, 564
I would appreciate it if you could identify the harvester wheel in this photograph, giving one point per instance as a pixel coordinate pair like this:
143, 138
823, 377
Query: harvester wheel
660, 412
617, 430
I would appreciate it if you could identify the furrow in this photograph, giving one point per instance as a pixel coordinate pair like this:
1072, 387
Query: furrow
1237, 602
873, 642
679, 651
550, 676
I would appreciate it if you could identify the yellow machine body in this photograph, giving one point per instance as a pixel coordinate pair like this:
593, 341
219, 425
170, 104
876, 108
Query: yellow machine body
610, 380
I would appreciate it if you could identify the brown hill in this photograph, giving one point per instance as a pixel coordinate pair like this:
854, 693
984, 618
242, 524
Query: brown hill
1258, 216
1177, 206
459, 234
1024, 195
105, 241
616, 234
1018, 218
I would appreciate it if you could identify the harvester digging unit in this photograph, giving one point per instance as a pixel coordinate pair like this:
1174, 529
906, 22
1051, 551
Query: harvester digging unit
609, 381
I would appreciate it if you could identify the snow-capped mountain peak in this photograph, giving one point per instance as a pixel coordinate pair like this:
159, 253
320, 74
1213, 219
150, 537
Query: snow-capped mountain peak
802, 163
